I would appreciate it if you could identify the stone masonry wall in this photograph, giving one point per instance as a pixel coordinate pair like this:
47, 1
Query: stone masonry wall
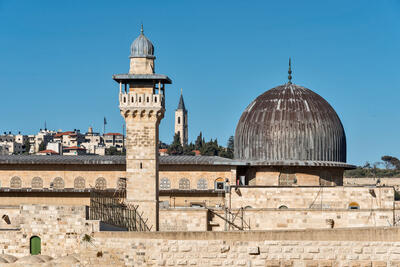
62, 229
313, 197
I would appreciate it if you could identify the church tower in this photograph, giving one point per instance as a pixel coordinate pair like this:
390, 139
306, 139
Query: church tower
142, 105
181, 121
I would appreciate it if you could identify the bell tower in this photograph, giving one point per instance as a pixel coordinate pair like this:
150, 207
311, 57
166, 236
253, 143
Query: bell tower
181, 121
142, 105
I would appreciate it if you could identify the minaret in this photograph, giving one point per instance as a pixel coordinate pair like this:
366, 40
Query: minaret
181, 121
141, 101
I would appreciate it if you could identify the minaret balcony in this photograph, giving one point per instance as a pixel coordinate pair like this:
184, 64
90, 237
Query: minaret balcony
134, 100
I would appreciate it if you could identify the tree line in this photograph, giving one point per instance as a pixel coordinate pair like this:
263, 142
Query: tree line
388, 167
210, 148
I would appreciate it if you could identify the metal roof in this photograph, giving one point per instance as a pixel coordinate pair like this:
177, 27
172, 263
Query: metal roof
100, 160
300, 163
164, 160
290, 122
124, 78
142, 46
181, 104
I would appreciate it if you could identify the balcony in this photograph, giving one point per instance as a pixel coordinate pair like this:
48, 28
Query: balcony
134, 100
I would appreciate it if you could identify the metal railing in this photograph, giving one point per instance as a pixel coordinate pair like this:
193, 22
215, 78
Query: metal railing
111, 208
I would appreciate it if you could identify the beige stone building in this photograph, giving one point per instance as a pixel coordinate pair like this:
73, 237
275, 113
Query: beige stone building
287, 175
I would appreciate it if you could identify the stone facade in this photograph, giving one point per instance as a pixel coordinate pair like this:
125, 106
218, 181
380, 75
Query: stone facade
64, 231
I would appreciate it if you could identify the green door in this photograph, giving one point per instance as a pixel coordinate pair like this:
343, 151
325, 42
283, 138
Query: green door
35, 245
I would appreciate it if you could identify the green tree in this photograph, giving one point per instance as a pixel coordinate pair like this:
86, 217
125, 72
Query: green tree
210, 148
228, 151
188, 150
42, 146
199, 142
27, 146
176, 147
114, 151
391, 162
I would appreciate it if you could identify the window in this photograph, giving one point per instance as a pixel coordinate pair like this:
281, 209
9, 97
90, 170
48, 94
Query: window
37, 183
283, 207
15, 182
184, 183
58, 183
202, 184
165, 183
79, 183
101, 183
179, 120
354, 206
121, 184
219, 184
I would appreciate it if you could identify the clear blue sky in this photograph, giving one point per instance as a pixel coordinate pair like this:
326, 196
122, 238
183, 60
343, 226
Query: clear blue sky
57, 58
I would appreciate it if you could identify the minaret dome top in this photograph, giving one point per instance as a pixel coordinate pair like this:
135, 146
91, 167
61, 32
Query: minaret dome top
142, 47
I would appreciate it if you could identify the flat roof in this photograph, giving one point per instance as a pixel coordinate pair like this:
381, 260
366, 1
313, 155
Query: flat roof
140, 77
164, 160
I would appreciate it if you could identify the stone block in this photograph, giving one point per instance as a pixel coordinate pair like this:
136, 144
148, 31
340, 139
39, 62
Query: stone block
286, 263
253, 250
259, 263
379, 264
272, 263
225, 248
182, 262
241, 262
380, 250
312, 249
311, 263
185, 248
325, 263
308, 256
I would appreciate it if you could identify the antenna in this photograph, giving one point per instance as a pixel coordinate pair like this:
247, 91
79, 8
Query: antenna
290, 72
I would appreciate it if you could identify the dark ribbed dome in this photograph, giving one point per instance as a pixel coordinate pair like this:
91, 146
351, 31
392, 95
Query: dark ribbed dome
142, 47
290, 122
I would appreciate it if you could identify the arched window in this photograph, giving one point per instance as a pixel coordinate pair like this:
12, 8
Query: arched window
184, 183
283, 207
58, 183
248, 207
202, 184
101, 183
121, 183
35, 245
219, 184
354, 206
37, 183
79, 183
15, 182
165, 183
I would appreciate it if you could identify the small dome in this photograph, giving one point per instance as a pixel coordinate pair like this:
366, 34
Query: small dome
142, 47
290, 122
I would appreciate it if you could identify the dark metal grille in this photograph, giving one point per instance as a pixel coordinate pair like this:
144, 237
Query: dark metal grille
110, 207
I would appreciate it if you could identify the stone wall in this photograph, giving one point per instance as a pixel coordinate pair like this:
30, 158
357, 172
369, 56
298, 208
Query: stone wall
384, 181
312, 197
62, 229
183, 219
